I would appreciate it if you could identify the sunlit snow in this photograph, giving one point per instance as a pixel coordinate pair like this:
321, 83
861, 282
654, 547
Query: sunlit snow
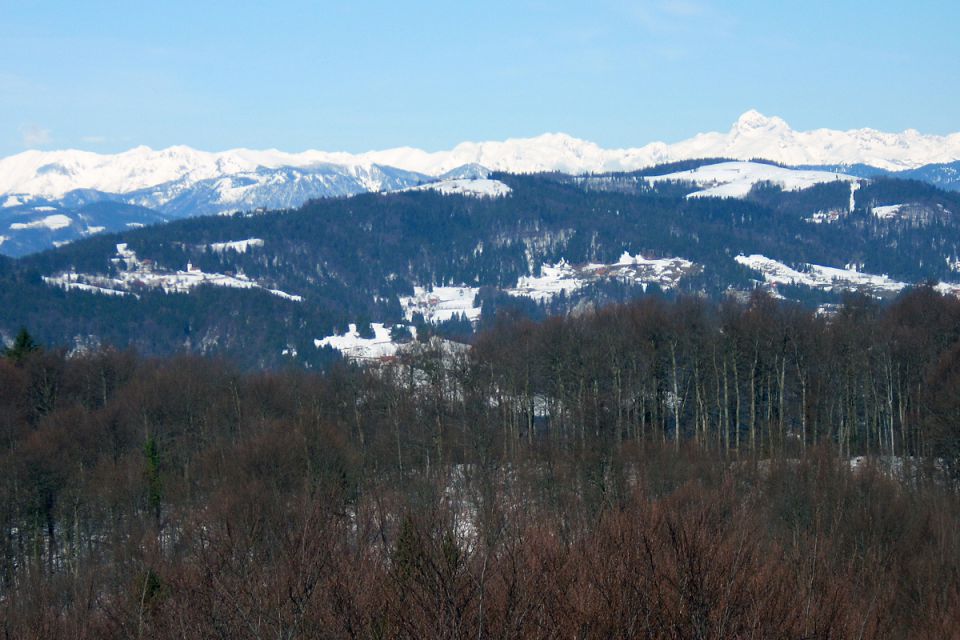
240, 246
439, 304
566, 278
355, 347
736, 179
753, 135
137, 274
478, 188
820, 277
887, 212
53, 223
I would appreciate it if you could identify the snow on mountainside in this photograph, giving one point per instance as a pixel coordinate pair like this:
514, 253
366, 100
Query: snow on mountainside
48, 198
135, 275
475, 187
735, 179
566, 278
52, 174
820, 277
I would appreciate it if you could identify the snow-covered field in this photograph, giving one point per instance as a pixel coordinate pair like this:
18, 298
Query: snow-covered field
566, 278
553, 280
355, 347
820, 277
53, 223
440, 304
135, 274
736, 179
886, 212
477, 187
381, 348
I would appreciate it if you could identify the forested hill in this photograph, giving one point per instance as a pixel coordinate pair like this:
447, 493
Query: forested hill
263, 287
656, 470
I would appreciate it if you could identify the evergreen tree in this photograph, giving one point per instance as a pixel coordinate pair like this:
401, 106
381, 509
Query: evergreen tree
23, 345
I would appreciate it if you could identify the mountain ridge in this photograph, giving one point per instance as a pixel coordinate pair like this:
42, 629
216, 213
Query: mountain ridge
52, 174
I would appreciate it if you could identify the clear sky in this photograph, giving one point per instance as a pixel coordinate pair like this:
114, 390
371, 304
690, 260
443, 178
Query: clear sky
356, 75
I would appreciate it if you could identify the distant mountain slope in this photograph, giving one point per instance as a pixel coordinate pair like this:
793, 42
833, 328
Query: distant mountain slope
943, 175
181, 182
267, 287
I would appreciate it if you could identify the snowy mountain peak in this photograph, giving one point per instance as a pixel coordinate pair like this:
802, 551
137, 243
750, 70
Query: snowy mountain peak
755, 123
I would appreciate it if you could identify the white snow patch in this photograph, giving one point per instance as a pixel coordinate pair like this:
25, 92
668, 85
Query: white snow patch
351, 345
478, 188
820, 277
566, 278
887, 212
736, 179
93, 230
240, 246
853, 200
285, 295
54, 222
74, 281
135, 274
825, 217
440, 304
553, 280
948, 288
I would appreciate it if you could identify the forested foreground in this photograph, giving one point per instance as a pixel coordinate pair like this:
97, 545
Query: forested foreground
676, 470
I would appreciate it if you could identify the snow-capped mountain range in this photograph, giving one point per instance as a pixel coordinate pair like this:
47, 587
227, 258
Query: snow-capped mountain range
50, 197
52, 174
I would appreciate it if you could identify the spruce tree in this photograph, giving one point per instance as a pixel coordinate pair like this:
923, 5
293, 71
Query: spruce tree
23, 345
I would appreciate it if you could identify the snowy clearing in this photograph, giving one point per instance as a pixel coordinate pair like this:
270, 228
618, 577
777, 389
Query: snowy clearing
137, 274
381, 349
439, 304
352, 346
887, 212
736, 179
820, 277
478, 187
566, 278
53, 223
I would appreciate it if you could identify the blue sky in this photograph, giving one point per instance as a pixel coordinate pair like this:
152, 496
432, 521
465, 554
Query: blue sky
108, 75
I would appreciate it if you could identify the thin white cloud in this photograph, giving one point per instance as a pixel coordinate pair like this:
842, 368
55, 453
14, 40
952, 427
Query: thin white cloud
35, 136
94, 139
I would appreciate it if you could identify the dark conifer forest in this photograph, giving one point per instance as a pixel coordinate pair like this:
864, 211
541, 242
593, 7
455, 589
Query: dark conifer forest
664, 468
350, 260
